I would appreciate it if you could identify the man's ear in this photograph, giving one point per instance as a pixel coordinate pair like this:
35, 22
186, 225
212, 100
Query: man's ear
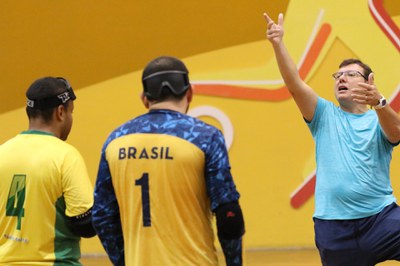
189, 95
60, 112
145, 101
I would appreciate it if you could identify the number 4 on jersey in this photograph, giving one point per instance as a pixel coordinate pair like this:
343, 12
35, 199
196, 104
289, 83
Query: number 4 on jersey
16, 198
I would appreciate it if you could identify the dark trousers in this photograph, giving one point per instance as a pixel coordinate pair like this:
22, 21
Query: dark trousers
359, 242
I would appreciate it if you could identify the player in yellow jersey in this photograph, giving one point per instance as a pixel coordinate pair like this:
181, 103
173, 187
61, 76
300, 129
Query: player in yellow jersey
161, 177
45, 192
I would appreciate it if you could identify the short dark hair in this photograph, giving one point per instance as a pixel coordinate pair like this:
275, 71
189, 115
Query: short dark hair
350, 61
43, 89
165, 78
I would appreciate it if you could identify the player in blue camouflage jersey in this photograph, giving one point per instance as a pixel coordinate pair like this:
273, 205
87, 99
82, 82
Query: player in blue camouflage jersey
161, 177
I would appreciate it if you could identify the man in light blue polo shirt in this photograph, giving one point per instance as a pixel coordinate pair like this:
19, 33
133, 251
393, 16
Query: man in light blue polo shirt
356, 218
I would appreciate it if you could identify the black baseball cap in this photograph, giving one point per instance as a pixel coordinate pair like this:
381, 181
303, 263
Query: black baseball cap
49, 92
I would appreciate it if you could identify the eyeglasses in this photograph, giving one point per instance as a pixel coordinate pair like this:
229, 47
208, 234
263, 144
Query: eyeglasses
348, 73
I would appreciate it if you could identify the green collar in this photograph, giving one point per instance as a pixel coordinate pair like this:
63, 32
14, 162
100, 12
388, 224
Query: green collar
38, 132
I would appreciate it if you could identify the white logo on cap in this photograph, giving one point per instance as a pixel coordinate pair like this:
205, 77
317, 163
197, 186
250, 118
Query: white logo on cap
30, 103
64, 97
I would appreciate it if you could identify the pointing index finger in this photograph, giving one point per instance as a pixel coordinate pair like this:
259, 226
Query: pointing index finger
267, 18
280, 19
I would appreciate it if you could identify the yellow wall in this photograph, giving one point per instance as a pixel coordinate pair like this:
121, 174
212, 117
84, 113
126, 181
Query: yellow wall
102, 46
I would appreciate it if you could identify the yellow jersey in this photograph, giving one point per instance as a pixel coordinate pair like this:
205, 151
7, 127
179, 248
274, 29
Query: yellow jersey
42, 179
160, 177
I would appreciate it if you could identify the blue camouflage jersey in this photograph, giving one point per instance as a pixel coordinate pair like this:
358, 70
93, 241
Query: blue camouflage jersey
161, 175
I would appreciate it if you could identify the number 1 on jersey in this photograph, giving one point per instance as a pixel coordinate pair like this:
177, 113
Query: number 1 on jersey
144, 183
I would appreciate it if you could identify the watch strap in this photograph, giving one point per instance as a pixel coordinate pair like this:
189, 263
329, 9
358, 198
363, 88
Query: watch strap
382, 103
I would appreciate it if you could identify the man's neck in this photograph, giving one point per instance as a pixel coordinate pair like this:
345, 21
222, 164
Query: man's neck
38, 125
173, 106
354, 108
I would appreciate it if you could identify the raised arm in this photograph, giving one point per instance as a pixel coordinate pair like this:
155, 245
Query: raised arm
367, 93
304, 96
390, 123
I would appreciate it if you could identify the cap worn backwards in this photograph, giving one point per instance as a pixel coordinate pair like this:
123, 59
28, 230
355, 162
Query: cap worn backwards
36, 99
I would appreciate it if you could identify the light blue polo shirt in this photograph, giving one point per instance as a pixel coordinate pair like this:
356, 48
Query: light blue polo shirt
353, 162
